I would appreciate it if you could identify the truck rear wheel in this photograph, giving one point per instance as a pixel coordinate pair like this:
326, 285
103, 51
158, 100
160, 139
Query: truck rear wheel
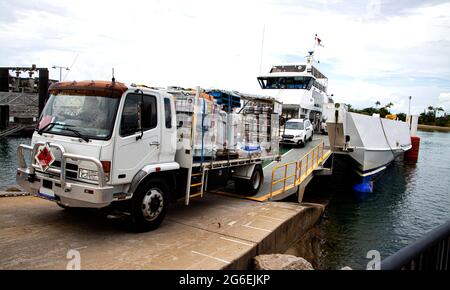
250, 186
149, 205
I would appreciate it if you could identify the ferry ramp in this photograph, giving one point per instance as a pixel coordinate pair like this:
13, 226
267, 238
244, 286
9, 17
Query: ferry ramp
291, 174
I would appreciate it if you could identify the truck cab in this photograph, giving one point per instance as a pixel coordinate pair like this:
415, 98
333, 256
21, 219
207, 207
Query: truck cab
101, 142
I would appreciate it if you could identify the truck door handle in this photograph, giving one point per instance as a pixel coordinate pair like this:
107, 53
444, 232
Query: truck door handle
156, 143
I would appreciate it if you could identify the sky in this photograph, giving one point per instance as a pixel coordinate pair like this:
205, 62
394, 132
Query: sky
373, 50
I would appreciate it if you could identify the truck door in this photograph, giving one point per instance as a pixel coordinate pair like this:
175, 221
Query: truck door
135, 148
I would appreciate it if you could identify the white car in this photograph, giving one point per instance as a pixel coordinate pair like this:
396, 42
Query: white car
297, 131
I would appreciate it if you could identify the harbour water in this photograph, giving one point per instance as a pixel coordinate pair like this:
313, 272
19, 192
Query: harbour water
407, 202
8, 160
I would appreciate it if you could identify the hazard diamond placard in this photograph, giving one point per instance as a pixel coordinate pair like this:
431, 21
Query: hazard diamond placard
44, 157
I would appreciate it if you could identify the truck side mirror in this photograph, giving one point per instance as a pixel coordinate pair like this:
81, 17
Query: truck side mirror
180, 124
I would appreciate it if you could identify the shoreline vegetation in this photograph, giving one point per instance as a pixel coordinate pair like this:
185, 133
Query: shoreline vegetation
432, 118
423, 127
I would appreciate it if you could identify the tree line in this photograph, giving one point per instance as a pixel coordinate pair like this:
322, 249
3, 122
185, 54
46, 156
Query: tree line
428, 117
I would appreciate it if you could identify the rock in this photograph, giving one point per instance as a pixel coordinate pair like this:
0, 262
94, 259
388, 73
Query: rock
346, 268
12, 189
281, 262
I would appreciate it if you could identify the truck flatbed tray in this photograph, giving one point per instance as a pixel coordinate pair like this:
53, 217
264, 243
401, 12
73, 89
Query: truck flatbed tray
233, 162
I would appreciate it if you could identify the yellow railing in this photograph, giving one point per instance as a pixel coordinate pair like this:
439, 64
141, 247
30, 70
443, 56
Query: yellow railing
303, 168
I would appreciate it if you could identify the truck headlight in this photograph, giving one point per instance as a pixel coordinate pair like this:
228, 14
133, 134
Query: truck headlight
299, 135
88, 174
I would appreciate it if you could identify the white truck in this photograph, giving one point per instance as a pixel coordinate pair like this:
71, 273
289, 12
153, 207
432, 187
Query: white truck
101, 144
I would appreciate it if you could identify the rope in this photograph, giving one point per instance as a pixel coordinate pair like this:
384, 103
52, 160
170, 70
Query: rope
385, 136
14, 194
203, 131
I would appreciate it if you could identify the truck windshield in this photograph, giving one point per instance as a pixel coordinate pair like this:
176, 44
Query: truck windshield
294, 125
90, 116
285, 82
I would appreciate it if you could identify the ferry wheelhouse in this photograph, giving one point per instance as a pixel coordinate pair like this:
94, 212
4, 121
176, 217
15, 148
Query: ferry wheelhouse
301, 88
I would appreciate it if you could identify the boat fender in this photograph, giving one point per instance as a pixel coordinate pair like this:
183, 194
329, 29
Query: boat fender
365, 187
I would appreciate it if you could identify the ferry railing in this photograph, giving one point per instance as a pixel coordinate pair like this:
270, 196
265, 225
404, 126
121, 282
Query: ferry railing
432, 252
285, 177
303, 168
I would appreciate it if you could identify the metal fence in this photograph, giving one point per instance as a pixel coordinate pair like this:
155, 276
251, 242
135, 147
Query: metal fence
432, 253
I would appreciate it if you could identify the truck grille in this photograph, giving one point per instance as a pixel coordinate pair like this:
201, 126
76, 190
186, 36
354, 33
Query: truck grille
288, 136
71, 169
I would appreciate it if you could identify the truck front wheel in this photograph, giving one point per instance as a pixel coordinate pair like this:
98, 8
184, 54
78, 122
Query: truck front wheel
149, 205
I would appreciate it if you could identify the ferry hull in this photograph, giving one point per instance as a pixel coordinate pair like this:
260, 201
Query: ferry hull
371, 142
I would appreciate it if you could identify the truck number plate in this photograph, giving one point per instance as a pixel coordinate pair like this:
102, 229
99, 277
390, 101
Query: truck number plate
46, 193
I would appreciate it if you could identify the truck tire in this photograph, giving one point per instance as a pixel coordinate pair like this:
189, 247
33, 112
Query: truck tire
149, 205
250, 187
312, 135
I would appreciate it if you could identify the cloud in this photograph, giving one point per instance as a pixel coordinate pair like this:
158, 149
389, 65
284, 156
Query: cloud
444, 97
444, 100
384, 50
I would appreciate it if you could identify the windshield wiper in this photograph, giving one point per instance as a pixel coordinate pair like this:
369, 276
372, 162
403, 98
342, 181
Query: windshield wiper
49, 126
76, 133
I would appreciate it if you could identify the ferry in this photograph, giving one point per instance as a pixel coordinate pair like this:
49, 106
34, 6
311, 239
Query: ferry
302, 89
371, 142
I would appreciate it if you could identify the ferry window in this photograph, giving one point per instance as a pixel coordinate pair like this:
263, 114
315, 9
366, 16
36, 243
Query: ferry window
129, 122
168, 113
286, 82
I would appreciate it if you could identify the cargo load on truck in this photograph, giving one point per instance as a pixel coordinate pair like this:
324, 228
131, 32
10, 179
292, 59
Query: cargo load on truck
217, 131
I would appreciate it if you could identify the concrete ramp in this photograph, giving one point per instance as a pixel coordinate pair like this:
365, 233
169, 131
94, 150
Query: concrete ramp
215, 232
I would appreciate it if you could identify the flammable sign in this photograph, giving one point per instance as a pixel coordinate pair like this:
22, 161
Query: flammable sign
45, 157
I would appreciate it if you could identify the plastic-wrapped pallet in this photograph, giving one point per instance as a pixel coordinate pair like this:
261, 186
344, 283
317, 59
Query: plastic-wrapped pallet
248, 137
275, 138
206, 129
233, 124
221, 140
250, 131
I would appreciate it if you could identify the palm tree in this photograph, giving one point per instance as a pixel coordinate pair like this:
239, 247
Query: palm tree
389, 105
377, 103
437, 109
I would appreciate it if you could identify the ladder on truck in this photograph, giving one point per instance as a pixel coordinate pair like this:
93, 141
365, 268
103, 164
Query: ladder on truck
195, 180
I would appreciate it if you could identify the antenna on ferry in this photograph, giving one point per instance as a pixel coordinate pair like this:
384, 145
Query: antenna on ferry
262, 48
113, 78
70, 68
